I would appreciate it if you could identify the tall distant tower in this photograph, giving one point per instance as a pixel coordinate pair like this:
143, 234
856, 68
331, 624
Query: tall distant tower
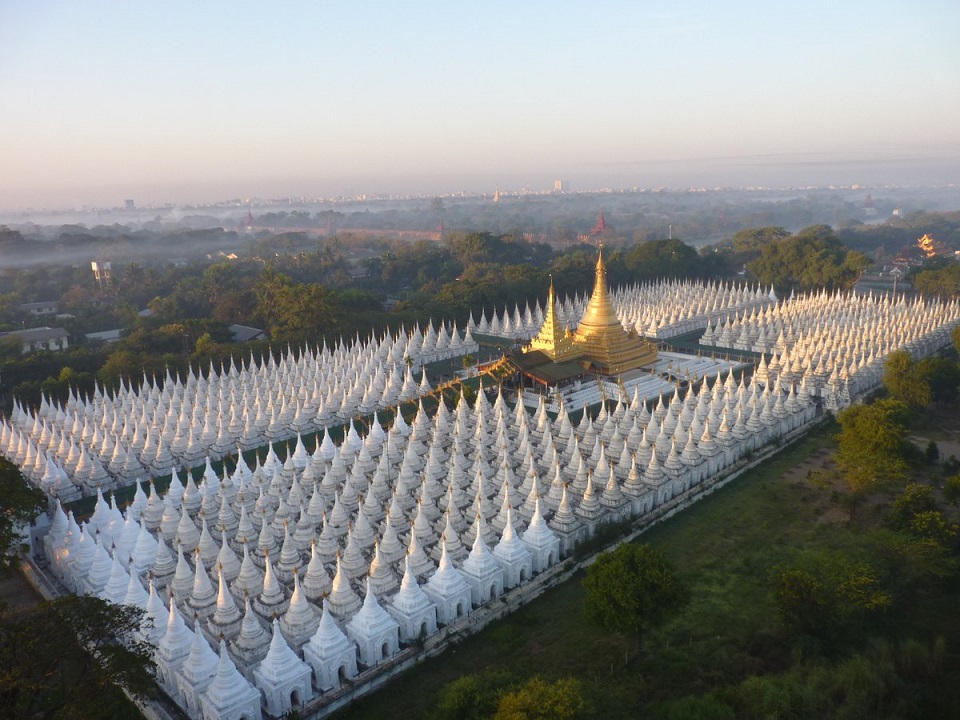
496, 195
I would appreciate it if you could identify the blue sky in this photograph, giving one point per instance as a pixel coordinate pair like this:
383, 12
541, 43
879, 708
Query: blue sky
197, 101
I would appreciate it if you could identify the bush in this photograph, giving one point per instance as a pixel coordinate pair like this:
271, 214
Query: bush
915, 498
951, 489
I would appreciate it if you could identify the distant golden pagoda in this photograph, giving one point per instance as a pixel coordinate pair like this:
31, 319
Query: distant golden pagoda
930, 246
600, 342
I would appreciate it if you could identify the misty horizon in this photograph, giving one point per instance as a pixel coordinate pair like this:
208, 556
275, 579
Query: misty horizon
195, 103
798, 170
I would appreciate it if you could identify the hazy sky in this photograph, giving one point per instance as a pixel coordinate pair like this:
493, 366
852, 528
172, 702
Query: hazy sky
183, 101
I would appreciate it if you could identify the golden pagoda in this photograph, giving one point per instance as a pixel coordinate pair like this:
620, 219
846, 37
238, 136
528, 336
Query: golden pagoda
554, 341
601, 337
599, 344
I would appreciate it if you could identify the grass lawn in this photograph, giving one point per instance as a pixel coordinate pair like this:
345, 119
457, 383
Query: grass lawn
723, 546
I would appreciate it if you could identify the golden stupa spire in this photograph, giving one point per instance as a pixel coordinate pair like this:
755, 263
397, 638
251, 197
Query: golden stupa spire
601, 335
554, 340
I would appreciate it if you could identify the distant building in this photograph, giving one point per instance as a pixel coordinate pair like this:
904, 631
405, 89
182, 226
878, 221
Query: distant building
560, 186
107, 336
245, 333
930, 246
599, 231
129, 205
101, 271
601, 225
357, 269
41, 338
46, 307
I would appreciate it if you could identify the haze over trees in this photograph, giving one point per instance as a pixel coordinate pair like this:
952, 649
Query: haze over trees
301, 289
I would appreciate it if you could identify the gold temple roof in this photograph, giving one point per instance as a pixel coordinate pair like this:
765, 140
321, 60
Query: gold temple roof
600, 339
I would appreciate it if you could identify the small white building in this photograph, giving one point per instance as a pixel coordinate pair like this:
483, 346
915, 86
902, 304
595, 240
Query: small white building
44, 307
448, 590
229, 696
283, 678
412, 609
376, 634
330, 653
41, 338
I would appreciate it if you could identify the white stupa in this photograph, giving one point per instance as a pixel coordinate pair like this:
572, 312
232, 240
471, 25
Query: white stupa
283, 678
330, 653
374, 632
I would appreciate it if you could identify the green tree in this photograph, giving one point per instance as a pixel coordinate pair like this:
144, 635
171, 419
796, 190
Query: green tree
944, 282
64, 659
820, 591
663, 259
633, 589
691, 707
206, 349
538, 699
473, 697
932, 525
942, 377
21, 504
951, 489
872, 445
812, 258
902, 379
753, 240
912, 563
915, 498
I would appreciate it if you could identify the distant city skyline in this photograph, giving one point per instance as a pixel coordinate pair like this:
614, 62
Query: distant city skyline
196, 102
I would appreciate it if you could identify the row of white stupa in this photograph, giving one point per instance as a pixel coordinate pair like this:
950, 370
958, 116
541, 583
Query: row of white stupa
837, 342
659, 310
111, 440
425, 523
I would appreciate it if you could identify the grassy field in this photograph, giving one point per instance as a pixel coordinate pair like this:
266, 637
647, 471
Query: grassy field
724, 546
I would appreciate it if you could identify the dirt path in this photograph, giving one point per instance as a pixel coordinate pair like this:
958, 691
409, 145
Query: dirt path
15, 591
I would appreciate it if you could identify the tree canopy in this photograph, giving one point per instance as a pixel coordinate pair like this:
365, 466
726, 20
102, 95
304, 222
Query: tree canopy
64, 659
21, 504
538, 699
813, 258
943, 282
872, 443
633, 589
663, 259
918, 383
817, 593
901, 377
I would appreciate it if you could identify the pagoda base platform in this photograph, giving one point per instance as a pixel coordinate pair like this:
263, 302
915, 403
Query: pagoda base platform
659, 378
